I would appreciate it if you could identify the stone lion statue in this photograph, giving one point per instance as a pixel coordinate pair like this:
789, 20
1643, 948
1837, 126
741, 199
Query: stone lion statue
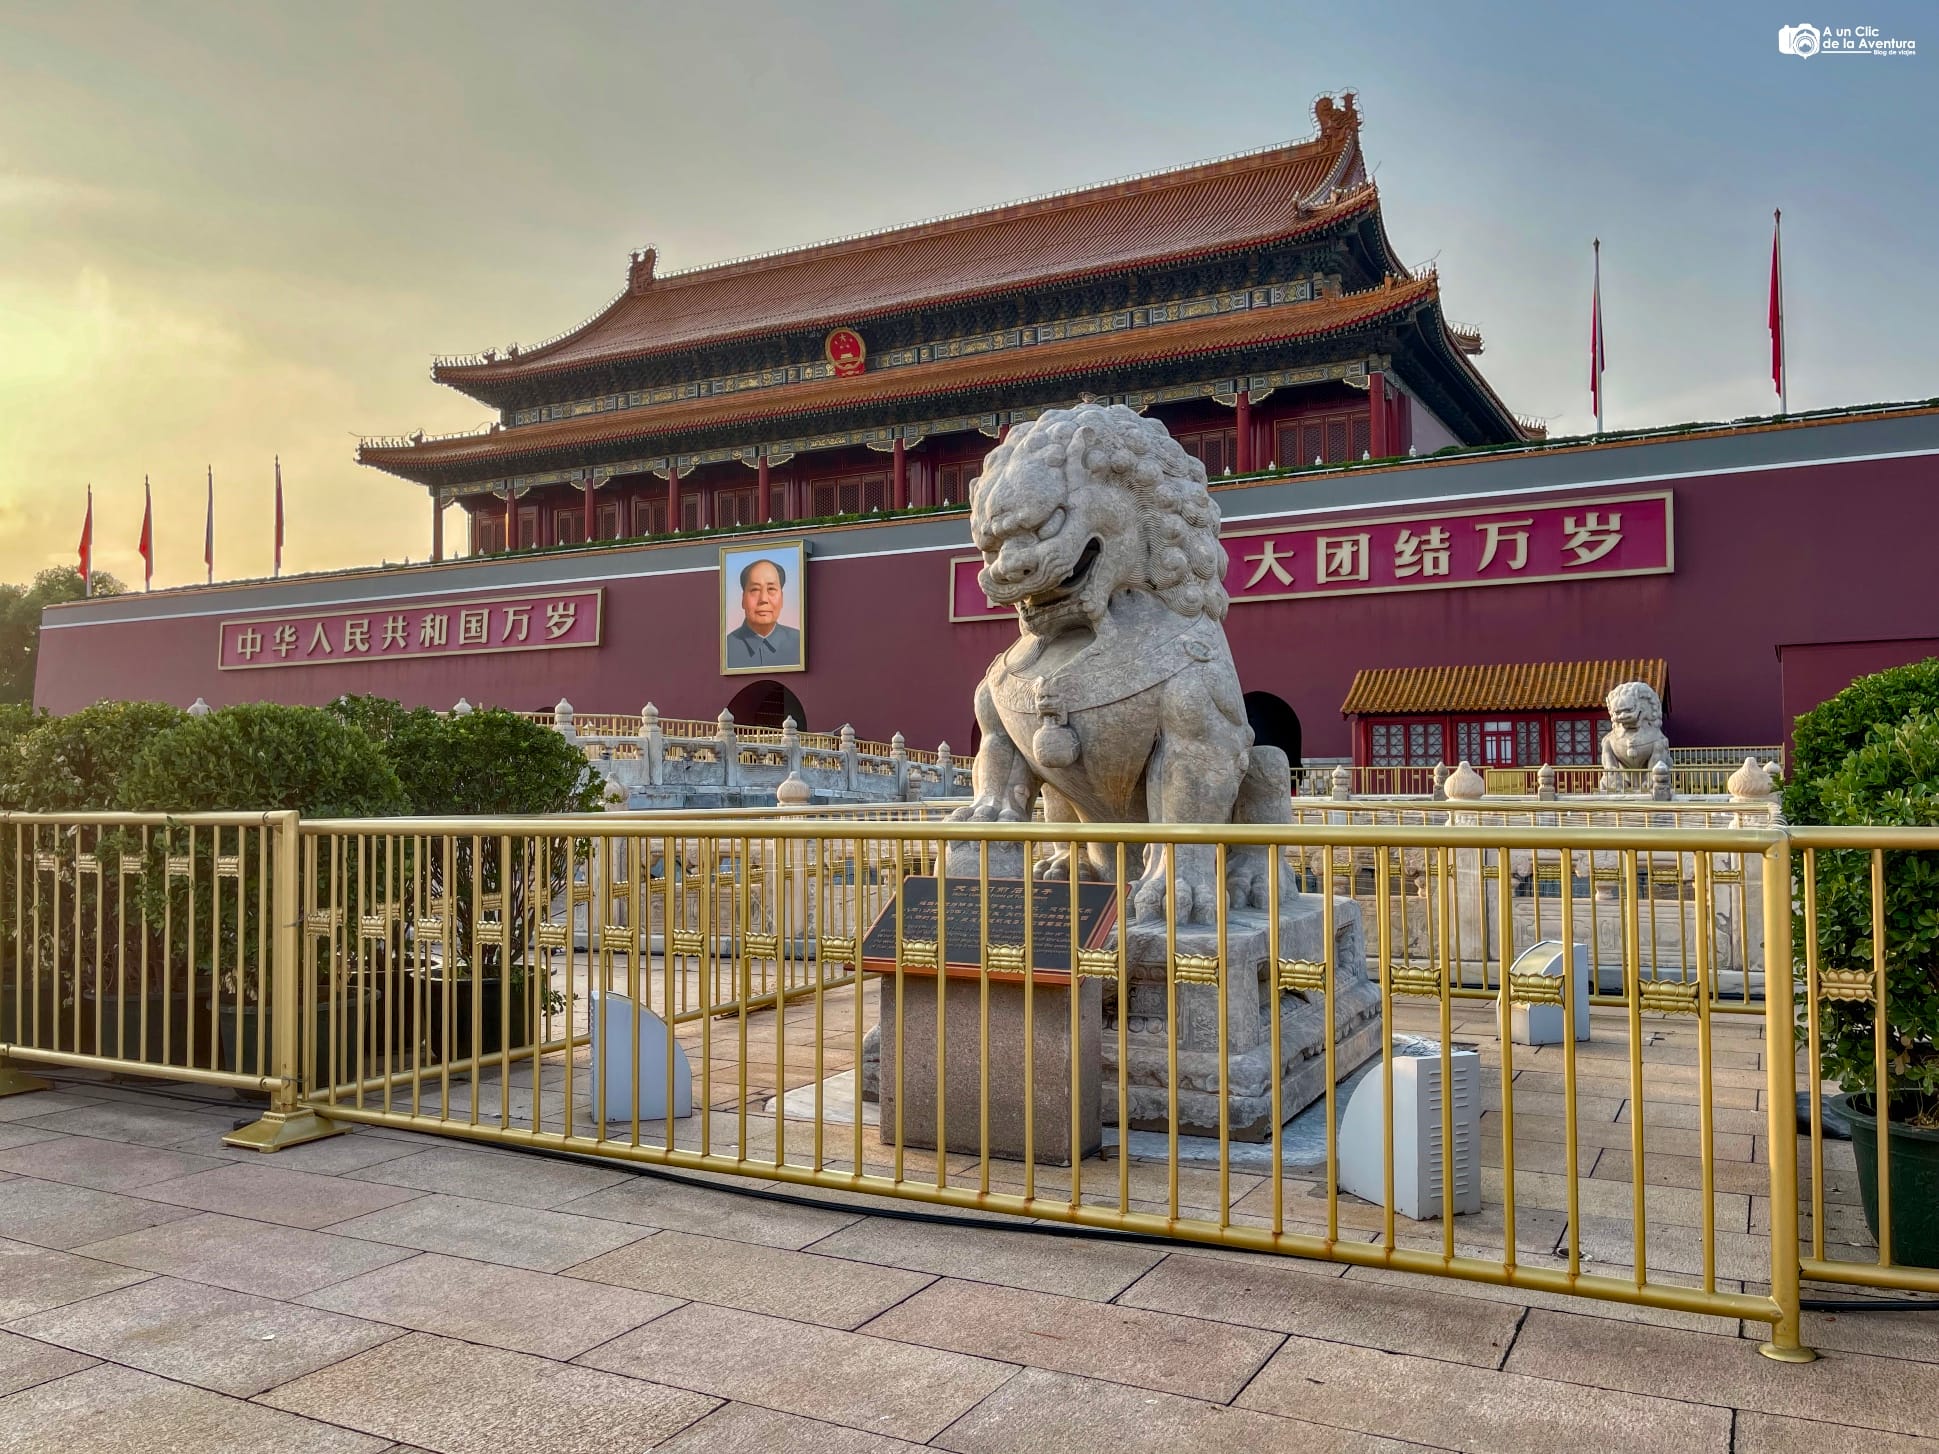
1635, 738
1119, 701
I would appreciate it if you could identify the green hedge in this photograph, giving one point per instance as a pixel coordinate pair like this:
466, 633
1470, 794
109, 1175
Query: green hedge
1893, 780
1824, 737
78, 762
264, 756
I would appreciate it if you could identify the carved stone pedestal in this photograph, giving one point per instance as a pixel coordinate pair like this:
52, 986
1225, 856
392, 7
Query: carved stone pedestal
1251, 997
1047, 1107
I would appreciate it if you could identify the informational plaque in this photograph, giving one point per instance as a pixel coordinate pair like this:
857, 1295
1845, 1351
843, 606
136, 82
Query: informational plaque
953, 940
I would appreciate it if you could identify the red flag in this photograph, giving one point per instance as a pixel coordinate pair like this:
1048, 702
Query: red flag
87, 547
1596, 358
1777, 309
147, 536
279, 516
208, 530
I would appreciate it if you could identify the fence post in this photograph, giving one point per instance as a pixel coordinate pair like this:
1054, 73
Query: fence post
287, 1122
1342, 782
899, 765
791, 746
946, 770
730, 752
1781, 1106
849, 763
652, 745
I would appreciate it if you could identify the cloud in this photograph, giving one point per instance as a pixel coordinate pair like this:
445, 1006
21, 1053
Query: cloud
25, 195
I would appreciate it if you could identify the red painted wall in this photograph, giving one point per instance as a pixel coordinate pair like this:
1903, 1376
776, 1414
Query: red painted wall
1815, 673
1809, 554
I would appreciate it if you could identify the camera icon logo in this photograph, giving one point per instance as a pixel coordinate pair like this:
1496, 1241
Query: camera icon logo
1801, 41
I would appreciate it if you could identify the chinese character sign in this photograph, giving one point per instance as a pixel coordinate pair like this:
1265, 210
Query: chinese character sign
1549, 541
381, 632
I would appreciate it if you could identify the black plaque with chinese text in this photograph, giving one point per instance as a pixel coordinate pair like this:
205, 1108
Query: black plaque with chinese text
960, 931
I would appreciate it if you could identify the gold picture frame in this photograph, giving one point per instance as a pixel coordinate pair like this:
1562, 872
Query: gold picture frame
744, 649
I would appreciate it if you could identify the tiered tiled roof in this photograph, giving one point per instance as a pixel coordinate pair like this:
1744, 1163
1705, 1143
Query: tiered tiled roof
1073, 358
1528, 687
1174, 216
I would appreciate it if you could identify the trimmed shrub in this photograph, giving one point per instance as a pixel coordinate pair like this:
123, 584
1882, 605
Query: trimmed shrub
264, 756
1823, 737
489, 762
379, 717
76, 763
1893, 780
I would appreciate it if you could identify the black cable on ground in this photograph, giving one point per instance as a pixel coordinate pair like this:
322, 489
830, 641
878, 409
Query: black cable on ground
952, 1219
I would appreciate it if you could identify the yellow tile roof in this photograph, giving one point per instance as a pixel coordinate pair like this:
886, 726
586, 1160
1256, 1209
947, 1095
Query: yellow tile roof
1524, 686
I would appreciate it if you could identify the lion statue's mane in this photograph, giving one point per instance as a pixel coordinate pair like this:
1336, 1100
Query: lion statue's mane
1119, 701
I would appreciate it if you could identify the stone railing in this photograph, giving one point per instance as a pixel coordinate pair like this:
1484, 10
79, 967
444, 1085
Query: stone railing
681, 763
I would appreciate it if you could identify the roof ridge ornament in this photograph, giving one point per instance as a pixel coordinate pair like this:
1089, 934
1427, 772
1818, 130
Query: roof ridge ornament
639, 276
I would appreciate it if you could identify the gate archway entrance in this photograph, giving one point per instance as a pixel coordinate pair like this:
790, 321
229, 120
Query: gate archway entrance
767, 704
1274, 724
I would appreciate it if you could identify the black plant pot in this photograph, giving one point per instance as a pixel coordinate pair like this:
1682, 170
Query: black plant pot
500, 1025
31, 1022
175, 1032
244, 1029
1914, 1156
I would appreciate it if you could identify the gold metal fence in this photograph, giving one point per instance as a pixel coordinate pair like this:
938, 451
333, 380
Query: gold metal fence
1000, 1081
460, 977
140, 942
1868, 918
1676, 905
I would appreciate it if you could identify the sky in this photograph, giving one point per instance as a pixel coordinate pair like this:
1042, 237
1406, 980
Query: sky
235, 231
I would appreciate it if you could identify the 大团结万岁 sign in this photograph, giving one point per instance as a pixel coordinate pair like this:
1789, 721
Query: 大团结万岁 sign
1426, 551
412, 632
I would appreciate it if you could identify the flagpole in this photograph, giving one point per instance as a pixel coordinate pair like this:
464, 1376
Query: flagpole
87, 546
1595, 361
1783, 364
208, 531
276, 570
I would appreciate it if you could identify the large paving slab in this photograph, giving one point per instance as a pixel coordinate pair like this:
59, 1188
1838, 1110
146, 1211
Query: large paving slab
25, 1362
51, 1214
103, 1165
820, 1373
457, 1398
656, 1202
1036, 1261
528, 1237
111, 1410
832, 1291
1150, 1350
1849, 1388
33, 1279
1038, 1412
245, 1256
745, 1429
227, 1341
1458, 1407
526, 1181
1406, 1318
503, 1307
274, 1193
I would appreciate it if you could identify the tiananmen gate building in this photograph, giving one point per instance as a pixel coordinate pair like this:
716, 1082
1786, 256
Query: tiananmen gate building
1393, 530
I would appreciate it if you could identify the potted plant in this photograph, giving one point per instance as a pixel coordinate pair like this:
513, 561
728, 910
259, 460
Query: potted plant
1892, 780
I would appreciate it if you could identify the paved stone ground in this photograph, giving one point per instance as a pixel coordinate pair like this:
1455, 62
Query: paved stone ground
388, 1290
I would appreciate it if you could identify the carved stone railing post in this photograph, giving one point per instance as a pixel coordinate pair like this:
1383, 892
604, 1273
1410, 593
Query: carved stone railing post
562, 719
946, 770
899, 765
1465, 785
463, 709
1545, 783
1342, 782
1660, 787
849, 756
652, 745
199, 708
1440, 780
791, 746
730, 753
